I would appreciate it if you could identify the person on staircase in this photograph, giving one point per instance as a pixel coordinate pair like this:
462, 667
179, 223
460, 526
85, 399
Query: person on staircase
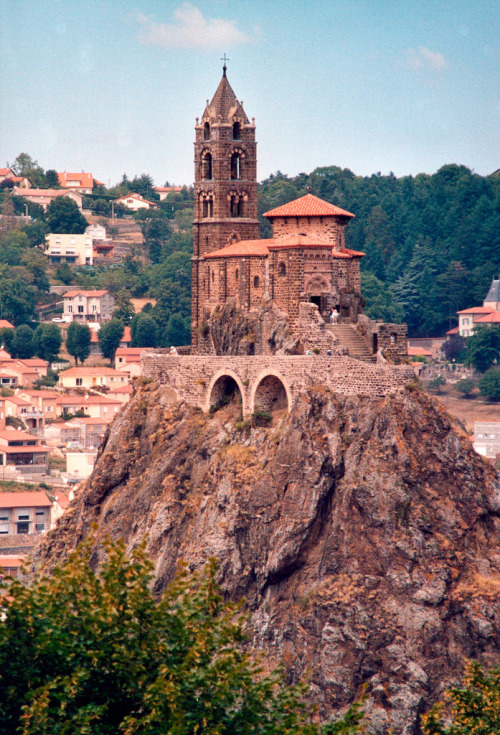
334, 315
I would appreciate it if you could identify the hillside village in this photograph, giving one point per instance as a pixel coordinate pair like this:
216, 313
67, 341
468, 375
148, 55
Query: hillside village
109, 275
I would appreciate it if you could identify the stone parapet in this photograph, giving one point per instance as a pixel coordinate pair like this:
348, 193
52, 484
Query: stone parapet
199, 379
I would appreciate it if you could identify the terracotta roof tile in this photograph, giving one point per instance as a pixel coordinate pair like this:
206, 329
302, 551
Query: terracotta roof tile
307, 206
36, 498
493, 318
477, 310
81, 179
242, 248
72, 294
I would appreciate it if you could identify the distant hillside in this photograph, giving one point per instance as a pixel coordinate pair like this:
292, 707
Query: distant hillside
434, 240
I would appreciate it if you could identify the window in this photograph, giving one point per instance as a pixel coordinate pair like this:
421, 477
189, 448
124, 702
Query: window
40, 512
40, 527
466, 321
237, 274
256, 281
79, 381
236, 131
80, 309
207, 167
4, 517
206, 131
236, 166
236, 206
70, 309
282, 269
4, 528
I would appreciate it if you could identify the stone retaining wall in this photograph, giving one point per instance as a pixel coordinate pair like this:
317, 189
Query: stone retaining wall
200, 380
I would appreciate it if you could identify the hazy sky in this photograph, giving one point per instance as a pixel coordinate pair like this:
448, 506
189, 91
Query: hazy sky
114, 86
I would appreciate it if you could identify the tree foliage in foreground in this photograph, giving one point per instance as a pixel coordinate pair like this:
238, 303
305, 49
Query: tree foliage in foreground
483, 347
82, 653
471, 710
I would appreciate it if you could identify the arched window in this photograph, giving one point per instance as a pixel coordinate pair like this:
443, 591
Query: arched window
207, 167
236, 166
206, 131
282, 269
236, 131
236, 206
207, 208
256, 281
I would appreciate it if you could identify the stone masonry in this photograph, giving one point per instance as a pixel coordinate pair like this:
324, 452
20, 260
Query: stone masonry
269, 383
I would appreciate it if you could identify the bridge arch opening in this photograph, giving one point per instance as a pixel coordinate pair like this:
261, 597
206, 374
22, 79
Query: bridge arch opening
271, 395
225, 390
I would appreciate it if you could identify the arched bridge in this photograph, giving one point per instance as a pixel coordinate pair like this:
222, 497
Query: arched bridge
268, 382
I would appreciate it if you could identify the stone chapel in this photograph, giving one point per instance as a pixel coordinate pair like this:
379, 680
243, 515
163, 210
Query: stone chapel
301, 273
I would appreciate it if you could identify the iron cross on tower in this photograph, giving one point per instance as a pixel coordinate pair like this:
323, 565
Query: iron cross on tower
224, 59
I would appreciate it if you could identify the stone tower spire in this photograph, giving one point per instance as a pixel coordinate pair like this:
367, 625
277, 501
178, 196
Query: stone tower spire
225, 183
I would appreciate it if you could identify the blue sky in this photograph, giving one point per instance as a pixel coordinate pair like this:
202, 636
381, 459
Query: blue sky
114, 86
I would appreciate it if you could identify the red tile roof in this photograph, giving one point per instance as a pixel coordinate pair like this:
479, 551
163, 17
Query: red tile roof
242, 248
4, 324
493, 318
453, 331
37, 499
308, 206
261, 248
477, 310
72, 294
418, 351
126, 336
89, 371
83, 179
6, 171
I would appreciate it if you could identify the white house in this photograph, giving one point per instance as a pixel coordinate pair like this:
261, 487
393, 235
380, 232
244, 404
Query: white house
134, 202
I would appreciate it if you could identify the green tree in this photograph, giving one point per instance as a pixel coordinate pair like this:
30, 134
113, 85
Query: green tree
6, 338
52, 179
144, 331
17, 301
64, 217
47, 340
483, 347
436, 384
22, 346
110, 335
82, 652
65, 274
489, 384
78, 339
123, 311
473, 709
466, 386
176, 332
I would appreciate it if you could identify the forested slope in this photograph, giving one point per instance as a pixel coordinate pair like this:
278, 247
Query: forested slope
432, 242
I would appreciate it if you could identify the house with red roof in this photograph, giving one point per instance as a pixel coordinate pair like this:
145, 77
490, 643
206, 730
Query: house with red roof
81, 182
91, 377
135, 201
24, 513
23, 451
88, 306
488, 313
45, 196
95, 405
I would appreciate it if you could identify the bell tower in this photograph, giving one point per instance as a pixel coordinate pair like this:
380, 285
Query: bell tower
225, 184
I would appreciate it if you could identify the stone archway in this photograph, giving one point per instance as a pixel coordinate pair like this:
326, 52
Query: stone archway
270, 393
318, 293
225, 384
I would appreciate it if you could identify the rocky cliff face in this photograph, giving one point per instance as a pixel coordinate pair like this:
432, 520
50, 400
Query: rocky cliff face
363, 533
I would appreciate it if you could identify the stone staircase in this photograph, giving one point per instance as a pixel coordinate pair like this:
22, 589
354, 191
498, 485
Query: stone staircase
348, 337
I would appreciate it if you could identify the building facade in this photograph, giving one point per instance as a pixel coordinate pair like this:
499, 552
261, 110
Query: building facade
305, 263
